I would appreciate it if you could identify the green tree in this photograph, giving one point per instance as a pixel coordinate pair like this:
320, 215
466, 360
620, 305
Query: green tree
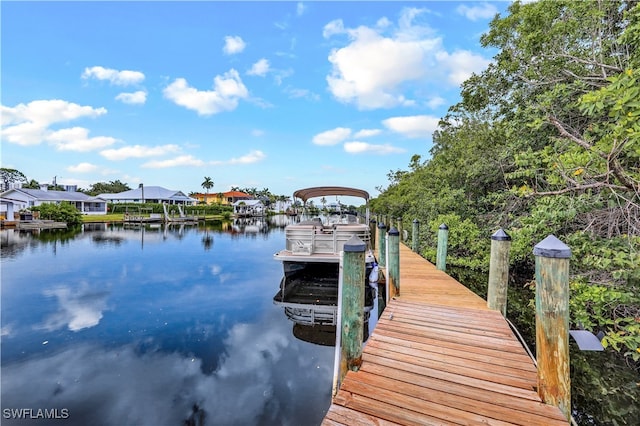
63, 212
545, 140
32, 184
207, 184
112, 187
11, 176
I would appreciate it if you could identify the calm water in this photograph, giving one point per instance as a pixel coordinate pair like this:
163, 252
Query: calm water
154, 326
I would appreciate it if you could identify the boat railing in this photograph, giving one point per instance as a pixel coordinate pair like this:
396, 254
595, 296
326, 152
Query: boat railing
318, 239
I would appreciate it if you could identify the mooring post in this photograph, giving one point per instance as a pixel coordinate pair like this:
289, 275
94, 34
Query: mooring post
372, 233
399, 227
552, 323
415, 244
499, 272
441, 255
352, 306
382, 245
393, 267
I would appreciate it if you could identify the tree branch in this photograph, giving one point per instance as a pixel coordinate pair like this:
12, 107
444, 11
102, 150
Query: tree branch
585, 61
612, 161
578, 188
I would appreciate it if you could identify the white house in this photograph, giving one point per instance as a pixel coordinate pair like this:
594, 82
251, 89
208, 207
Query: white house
150, 194
17, 199
244, 208
281, 206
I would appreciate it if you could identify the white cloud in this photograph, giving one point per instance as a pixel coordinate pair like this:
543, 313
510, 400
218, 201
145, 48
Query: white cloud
119, 78
233, 45
252, 157
367, 133
334, 27
28, 124
477, 12
356, 147
389, 64
82, 168
190, 161
77, 309
462, 64
294, 93
180, 161
332, 137
300, 8
139, 151
228, 89
257, 132
372, 69
416, 126
435, 102
135, 98
260, 68
77, 139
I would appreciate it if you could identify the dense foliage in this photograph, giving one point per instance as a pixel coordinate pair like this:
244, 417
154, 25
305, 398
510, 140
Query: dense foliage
11, 176
545, 141
112, 187
146, 208
63, 212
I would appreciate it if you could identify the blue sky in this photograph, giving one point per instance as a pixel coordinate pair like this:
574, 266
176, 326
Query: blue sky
278, 95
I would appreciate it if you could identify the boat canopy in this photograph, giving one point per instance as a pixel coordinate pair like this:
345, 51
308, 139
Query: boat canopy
320, 191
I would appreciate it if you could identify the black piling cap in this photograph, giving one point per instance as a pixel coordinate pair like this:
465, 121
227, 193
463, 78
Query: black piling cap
393, 231
381, 225
552, 247
399, 219
372, 221
444, 226
354, 244
416, 221
500, 235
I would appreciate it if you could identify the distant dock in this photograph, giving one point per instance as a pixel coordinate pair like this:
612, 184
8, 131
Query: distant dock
33, 224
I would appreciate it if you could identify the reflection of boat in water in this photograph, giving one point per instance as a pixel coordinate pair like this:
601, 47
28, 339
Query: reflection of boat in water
310, 300
250, 225
323, 335
319, 241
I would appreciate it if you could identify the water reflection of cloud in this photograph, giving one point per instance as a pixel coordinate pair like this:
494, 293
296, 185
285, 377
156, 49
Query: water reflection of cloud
255, 382
6, 330
77, 309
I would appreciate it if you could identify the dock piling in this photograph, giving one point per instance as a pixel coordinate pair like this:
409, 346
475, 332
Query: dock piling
393, 266
499, 272
441, 256
552, 322
415, 233
372, 231
351, 307
382, 244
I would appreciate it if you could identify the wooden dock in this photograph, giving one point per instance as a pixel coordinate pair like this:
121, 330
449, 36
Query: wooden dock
439, 356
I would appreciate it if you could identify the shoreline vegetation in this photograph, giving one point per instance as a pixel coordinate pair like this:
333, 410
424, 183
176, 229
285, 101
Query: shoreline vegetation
546, 141
119, 217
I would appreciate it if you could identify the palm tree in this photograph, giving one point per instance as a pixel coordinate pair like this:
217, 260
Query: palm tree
207, 185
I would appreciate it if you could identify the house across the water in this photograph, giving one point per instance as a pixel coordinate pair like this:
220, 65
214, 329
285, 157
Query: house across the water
224, 198
248, 208
17, 199
150, 194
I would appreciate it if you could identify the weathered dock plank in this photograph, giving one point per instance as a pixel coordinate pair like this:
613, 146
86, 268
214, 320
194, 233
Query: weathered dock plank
439, 356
